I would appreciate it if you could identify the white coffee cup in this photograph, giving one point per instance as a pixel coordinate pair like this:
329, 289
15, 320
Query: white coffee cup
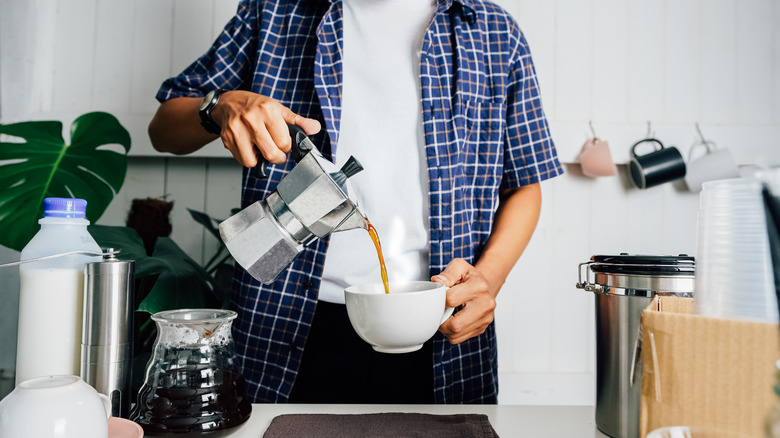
55, 407
713, 165
401, 321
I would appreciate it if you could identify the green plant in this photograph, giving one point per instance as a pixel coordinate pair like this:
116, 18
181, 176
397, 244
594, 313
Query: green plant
35, 163
221, 265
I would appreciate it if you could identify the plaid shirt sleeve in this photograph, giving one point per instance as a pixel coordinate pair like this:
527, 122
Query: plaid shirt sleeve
529, 153
227, 64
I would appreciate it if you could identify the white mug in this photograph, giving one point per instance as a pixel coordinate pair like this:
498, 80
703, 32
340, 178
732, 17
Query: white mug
714, 164
55, 407
401, 321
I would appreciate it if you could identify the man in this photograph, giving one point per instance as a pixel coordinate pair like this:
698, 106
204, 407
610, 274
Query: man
439, 102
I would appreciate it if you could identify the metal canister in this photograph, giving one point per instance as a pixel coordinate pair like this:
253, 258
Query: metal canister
107, 336
624, 285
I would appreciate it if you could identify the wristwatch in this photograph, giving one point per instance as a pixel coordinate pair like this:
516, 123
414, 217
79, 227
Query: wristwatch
206, 106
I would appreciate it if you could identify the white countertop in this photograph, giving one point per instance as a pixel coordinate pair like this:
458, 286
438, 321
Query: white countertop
508, 421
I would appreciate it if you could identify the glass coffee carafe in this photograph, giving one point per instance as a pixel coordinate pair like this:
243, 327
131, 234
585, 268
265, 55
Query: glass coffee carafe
192, 383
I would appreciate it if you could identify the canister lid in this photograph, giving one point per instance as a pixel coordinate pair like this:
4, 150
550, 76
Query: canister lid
682, 264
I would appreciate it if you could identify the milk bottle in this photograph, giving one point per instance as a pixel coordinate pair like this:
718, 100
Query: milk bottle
52, 292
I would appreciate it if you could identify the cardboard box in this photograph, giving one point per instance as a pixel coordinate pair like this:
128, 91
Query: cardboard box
705, 372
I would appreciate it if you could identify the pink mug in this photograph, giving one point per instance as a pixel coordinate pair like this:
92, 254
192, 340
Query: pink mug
596, 159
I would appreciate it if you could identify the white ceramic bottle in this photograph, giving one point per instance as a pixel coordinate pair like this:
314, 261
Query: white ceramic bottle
52, 292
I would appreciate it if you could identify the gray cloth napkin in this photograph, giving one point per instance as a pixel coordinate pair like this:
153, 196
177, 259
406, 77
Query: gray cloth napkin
389, 424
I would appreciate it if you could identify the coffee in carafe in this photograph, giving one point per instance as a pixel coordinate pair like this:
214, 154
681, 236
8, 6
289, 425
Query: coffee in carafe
192, 382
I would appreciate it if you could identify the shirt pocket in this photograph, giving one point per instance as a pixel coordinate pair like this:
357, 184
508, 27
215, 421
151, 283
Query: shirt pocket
481, 148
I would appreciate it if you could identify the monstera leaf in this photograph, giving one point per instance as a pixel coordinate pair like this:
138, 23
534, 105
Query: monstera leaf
36, 163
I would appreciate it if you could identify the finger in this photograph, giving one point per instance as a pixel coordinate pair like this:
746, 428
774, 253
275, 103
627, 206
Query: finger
309, 126
238, 140
280, 135
470, 288
267, 146
228, 142
472, 320
454, 273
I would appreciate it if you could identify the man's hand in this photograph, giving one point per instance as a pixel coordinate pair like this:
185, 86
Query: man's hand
470, 289
251, 123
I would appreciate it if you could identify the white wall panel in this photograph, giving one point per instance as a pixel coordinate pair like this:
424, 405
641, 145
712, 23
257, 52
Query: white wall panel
18, 64
145, 178
719, 62
754, 48
610, 61
74, 56
573, 58
679, 220
537, 20
776, 58
151, 54
192, 28
570, 309
682, 61
224, 10
113, 63
645, 73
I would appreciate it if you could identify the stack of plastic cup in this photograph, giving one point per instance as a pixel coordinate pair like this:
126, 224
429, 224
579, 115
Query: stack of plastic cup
734, 273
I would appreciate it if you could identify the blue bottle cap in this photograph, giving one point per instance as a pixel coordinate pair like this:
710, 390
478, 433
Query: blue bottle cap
65, 207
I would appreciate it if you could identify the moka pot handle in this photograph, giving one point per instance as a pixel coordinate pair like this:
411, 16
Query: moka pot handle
301, 145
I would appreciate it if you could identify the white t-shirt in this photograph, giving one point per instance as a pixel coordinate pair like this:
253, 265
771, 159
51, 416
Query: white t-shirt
381, 125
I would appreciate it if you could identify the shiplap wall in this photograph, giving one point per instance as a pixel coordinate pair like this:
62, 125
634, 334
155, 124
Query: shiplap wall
619, 64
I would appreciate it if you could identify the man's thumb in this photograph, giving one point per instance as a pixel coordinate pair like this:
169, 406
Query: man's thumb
309, 126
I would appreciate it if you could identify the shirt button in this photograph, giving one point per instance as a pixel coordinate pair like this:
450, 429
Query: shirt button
308, 285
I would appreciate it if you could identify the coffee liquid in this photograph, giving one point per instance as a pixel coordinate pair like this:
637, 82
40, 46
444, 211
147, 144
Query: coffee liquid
375, 237
192, 398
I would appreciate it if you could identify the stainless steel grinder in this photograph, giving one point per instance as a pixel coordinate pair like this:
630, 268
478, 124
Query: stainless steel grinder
624, 285
107, 333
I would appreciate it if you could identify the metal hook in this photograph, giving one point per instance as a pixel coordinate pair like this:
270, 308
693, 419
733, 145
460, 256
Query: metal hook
592, 131
709, 144
649, 134
701, 136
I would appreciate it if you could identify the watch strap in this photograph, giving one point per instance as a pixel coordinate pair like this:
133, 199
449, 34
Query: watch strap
205, 113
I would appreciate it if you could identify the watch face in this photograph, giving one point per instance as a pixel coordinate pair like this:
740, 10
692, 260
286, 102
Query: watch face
206, 100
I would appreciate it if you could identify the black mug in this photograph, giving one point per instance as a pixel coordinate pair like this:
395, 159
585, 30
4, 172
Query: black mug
657, 167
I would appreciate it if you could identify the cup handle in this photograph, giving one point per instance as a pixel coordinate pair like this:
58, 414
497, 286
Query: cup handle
106, 404
707, 144
447, 313
650, 140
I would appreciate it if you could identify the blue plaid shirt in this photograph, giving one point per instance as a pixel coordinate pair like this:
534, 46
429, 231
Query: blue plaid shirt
484, 130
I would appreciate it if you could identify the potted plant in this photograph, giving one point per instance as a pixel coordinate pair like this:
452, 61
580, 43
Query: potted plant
36, 162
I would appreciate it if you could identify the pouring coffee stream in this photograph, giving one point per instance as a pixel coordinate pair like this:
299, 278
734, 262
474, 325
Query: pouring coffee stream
382, 267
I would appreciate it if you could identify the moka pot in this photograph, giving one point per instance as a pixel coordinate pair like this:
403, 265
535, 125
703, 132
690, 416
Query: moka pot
312, 201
